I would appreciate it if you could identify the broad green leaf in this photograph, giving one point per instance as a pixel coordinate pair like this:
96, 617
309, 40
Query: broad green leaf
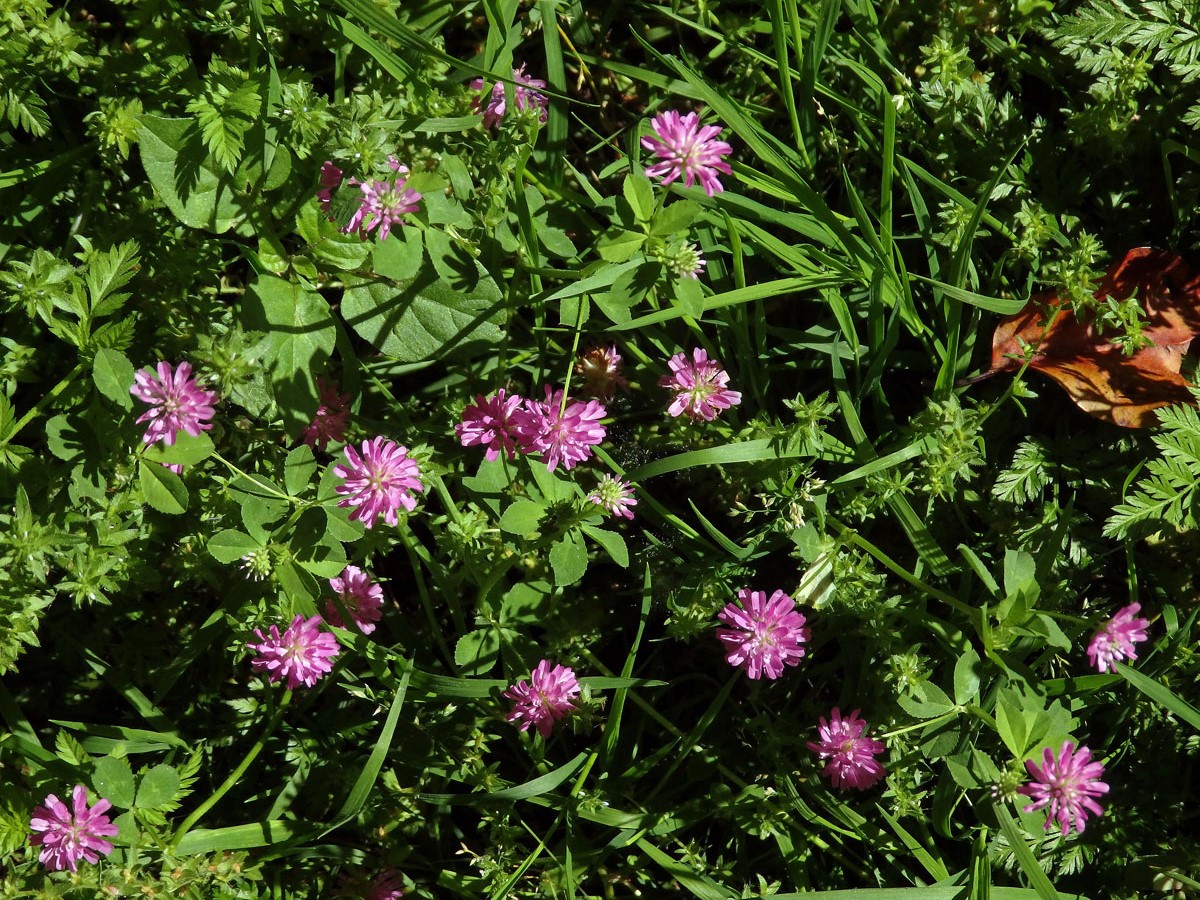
229, 546
1010, 722
522, 517
300, 337
162, 488
186, 451
619, 245
114, 781
298, 470
423, 318
112, 373
189, 181
613, 544
399, 257
674, 218
568, 559
158, 787
65, 438
325, 560
640, 195
477, 651
966, 676
689, 296
327, 244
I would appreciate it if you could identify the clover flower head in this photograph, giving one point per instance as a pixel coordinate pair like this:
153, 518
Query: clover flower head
562, 434
331, 419
383, 204
379, 479
600, 369
302, 654
177, 403
331, 179
68, 835
385, 885
615, 495
1114, 642
490, 422
686, 261
544, 699
1068, 784
851, 757
700, 385
257, 564
687, 150
524, 97
764, 635
361, 597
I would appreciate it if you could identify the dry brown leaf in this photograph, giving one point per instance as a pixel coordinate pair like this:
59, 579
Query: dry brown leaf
1099, 377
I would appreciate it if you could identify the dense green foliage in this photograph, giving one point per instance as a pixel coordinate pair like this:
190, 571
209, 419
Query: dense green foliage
903, 174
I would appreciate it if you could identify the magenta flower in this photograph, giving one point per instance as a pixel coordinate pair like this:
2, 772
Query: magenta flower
384, 204
385, 885
700, 386
67, 836
765, 635
688, 150
524, 96
177, 403
600, 369
331, 178
614, 495
1114, 642
331, 419
379, 479
490, 422
301, 655
851, 756
544, 699
560, 435
1068, 785
362, 598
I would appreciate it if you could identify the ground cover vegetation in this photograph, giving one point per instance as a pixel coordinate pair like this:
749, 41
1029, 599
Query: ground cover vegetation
566, 450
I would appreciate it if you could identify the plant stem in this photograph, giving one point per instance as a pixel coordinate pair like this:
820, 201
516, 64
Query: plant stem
236, 774
38, 407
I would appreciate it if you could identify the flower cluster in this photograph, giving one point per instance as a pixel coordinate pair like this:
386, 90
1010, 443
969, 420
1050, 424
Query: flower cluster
615, 495
525, 96
544, 699
688, 150
68, 835
331, 419
382, 203
1114, 642
177, 403
302, 654
360, 597
560, 430
378, 479
700, 385
1068, 784
764, 635
850, 757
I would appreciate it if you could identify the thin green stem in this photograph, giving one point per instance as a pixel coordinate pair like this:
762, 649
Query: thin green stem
236, 774
38, 407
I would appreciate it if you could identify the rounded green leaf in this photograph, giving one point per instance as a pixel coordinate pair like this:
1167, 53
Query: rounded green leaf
158, 787
113, 781
162, 488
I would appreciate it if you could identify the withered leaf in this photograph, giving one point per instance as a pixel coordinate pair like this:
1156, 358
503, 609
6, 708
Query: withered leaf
1099, 377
